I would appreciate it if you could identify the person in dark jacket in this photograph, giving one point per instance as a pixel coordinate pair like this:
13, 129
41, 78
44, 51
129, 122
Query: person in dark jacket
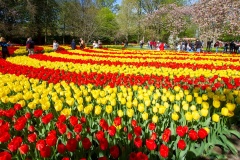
4, 46
73, 44
198, 45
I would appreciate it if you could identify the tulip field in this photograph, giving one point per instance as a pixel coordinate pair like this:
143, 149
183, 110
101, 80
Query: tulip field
106, 104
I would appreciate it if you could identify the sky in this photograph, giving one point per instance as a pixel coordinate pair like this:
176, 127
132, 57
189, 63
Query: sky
119, 1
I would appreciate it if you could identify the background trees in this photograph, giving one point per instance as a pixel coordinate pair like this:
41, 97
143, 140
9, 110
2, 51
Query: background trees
110, 22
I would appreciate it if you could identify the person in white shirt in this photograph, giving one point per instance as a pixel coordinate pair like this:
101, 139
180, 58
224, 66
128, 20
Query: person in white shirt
95, 44
178, 47
55, 45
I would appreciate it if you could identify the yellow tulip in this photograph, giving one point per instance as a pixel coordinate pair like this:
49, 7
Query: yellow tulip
22, 103
155, 109
135, 102
188, 116
165, 104
175, 116
97, 110
135, 87
141, 107
13, 99
155, 119
66, 112
216, 103
80, 100
195, 94
70, 101
120, 113
102, 93
204, 112
80, 107
195, 115
163, 98
147, 102
204, 97
171, 98
140, 96
176, 108
224, 111
155, 96
85, 92
189, 98
177, 88
103, 100
193, 107
178, 98
199, 100
109, 109
58, 106
230, 114
144, 115
231, 107
215, 117
164, 90
45, 105
130, 113
31, 105
186, 92
185, 106
205, 105
162, 109
86, 110
123, 101
151, 88
88, 99
113, 102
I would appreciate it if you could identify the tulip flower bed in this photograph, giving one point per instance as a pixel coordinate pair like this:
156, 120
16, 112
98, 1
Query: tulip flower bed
118, 104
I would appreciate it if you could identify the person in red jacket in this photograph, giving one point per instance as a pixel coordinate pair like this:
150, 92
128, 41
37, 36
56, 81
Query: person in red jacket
161, 46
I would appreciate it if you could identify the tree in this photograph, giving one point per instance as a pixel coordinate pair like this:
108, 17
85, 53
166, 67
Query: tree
169, 19
217, 17
127, 18
107, 26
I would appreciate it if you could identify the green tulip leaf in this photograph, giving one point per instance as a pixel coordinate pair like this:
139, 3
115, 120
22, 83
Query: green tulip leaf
229, 144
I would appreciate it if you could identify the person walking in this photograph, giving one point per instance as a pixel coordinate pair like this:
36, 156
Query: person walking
216, 45
4, 46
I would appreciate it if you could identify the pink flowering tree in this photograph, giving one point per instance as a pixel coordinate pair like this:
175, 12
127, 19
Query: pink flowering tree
217, 17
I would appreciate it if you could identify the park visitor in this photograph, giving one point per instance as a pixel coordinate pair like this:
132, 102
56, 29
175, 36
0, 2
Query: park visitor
73, 44
95, 44
55, 45
4, 46
82, 43
30, 46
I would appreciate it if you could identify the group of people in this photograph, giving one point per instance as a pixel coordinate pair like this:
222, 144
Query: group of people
97, 44
189, 46
155, 45
81, 43
233, 46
